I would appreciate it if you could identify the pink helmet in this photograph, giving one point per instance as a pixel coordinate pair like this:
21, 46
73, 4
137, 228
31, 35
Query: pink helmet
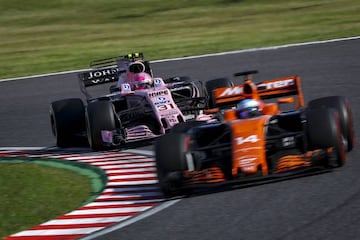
141, 81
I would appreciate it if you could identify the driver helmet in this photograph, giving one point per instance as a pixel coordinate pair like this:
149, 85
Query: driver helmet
141, 81
136, 67
248, 108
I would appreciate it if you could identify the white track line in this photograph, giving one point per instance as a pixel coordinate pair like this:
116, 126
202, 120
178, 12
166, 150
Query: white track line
132, 220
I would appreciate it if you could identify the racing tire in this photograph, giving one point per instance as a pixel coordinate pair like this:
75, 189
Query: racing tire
99, 116
67, 118
213, 84
170, 160
183, 127
342, 105
324, 131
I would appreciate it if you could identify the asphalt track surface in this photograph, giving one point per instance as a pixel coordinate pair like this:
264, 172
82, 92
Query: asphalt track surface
324, 206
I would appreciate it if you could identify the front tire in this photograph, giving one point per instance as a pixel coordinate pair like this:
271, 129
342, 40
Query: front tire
324, 131
170, 152
342, 106
99, 116
183, 127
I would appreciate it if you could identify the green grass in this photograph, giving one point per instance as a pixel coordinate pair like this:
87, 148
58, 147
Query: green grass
34, 193
48, 36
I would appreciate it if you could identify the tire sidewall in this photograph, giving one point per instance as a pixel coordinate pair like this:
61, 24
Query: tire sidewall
67, 118
324, 131
342, 106
170, 161
99, 116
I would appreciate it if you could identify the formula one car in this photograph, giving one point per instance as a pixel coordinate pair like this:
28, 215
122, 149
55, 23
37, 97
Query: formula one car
137, 109
270, 144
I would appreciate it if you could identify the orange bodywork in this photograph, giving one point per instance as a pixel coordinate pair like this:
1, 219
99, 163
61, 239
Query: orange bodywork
208, 175
248, 135
249, 145
269, 89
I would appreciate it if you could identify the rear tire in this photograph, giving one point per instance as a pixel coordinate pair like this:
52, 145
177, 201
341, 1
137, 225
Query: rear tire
170, 152
342, 105
183, 127
67, 118
324, 131
99, 116
213, 84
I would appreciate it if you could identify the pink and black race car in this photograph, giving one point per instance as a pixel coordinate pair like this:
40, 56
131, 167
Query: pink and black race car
138, 107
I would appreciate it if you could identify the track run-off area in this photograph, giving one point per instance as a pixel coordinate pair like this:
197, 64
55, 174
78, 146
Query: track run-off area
130, 189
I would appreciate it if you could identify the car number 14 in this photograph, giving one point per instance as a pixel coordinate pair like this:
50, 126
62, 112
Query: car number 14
249, 139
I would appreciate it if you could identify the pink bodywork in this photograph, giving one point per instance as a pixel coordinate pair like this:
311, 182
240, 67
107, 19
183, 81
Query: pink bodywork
163, 106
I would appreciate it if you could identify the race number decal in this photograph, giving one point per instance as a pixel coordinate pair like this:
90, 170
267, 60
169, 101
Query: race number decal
164, 107
249, 139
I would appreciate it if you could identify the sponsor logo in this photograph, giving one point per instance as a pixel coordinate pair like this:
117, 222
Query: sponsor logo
100, 76
157, 81
125, 87
158, 93
248, 169
107, 136
264, 86
247, 161
232, 91
173, 120
288, 141
161, 100
276, 84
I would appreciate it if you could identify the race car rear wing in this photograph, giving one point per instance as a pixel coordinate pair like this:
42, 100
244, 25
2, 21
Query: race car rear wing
108, 70
99, 76
269, 89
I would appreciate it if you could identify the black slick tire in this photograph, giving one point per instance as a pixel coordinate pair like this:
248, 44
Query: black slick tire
342, 106
324, 131
170, 153
67, 118
99, 116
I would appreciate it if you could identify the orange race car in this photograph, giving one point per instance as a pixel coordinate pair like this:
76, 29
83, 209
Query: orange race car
257, 136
